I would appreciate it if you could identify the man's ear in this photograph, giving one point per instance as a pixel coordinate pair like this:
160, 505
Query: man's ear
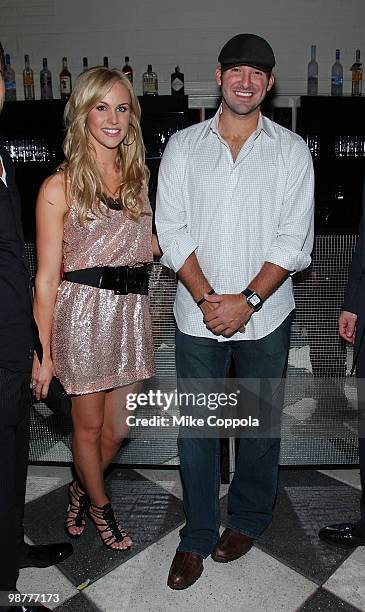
218, 75
271, 82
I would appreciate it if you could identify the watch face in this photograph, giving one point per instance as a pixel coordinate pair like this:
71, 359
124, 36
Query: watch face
254, 300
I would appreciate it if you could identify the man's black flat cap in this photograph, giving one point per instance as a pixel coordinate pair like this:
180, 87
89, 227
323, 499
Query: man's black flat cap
247, 50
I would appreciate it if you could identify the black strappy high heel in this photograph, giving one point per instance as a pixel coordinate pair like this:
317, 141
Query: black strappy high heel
77, 508
104, 520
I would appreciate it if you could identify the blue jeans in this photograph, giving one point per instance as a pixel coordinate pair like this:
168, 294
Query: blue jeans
252, 491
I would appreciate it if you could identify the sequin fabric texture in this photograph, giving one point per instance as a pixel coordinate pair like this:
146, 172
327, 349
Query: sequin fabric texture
101, 340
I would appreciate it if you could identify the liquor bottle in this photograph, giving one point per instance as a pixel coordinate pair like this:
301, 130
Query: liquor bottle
85, 64
356, 70
28, 80
149, 82
45, 78
9, 79
177, 82
65, 80
127, 69
337, 76
106, 62
312, 82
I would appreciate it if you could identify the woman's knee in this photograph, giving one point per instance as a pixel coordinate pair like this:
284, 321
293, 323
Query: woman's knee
87, 433
113, 436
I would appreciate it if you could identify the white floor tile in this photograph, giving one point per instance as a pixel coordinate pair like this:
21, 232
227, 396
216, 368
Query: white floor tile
348, 581
172, 461
50, 470
46, 580
43, 479
350, 477
59, 450
255, 583
167, 479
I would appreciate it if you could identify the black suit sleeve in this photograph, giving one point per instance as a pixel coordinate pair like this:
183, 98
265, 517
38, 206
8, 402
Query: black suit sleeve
356, 270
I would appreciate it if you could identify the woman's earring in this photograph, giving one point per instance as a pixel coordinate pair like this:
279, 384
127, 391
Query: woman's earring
128, 144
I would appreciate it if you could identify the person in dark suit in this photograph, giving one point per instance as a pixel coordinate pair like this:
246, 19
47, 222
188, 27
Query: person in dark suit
16, 358
351, 327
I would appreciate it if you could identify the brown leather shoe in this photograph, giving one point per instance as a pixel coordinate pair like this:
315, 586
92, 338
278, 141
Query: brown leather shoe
185, 569
231, 545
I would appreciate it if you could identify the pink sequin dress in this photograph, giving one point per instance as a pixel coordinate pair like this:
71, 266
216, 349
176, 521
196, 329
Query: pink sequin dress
101, 340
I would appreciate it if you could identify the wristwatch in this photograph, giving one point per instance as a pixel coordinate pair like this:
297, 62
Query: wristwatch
253, 299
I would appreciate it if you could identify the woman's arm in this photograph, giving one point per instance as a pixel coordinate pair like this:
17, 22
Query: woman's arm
51, 209
155, 246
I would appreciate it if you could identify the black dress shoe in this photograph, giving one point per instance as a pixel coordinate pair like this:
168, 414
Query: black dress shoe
347, 535
46, 555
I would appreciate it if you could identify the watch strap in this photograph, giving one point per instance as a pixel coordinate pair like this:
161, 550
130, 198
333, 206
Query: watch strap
202, 300
249, 293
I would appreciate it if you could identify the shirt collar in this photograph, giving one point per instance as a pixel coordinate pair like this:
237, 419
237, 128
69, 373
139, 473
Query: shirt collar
3, 177
264, 124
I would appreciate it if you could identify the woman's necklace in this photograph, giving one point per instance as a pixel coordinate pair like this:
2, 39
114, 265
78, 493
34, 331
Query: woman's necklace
108, 198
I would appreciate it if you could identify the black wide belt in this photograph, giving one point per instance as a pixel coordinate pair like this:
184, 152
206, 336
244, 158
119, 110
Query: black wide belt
120, 279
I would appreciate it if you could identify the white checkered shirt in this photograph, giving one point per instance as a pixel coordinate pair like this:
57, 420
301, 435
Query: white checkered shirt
235, 215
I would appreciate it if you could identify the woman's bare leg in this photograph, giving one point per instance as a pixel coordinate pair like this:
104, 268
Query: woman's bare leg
115, 428
87, 417
99, 427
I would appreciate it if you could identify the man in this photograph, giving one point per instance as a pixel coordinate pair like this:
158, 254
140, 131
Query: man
351, 326
234, 219
16, 357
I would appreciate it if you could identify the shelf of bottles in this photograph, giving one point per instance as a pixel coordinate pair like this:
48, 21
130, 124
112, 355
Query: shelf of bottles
336, 74
159, 119
149, 79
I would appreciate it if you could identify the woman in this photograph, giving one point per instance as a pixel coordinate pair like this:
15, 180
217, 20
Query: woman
94, 218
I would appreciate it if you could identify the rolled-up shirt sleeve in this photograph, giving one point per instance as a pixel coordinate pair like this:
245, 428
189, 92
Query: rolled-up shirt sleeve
293, 244
171, 224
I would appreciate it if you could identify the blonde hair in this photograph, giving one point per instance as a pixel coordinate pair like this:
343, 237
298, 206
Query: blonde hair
83, 180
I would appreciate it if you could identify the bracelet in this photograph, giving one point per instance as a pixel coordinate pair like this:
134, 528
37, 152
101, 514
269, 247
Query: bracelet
202, 300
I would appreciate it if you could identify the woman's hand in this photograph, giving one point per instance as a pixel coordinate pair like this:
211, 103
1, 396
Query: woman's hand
42, 375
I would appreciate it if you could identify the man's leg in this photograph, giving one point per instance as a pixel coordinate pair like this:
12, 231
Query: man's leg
362, 476
351, 534
360, 373
14, 437
22, 445
253, 489
200, 358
